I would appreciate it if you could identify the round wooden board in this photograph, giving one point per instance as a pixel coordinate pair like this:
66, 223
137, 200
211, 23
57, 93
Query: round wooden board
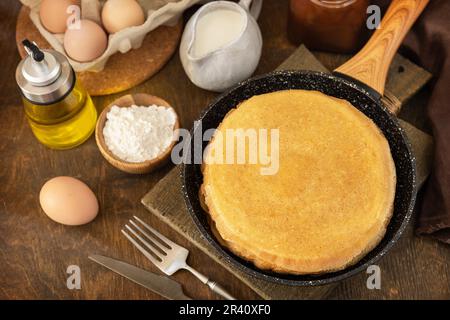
122, 71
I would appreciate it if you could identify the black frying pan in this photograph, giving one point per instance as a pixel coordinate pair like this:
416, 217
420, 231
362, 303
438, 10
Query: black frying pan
361, 82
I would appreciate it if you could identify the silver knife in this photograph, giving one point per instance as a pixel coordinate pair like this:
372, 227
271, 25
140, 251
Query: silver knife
164, 286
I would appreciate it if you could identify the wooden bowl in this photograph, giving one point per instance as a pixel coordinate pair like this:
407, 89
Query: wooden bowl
140, 99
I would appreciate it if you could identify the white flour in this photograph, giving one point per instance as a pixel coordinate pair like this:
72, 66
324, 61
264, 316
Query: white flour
137, 134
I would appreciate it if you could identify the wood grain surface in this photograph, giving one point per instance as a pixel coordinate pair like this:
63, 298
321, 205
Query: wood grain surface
35, 252
157, 48
370, 65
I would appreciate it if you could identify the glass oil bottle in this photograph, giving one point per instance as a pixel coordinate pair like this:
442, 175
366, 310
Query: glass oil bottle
60, 112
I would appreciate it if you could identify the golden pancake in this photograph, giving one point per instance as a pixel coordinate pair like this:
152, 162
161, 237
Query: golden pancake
330, 199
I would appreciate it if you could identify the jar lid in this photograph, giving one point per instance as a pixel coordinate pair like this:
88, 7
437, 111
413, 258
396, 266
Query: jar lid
44, 76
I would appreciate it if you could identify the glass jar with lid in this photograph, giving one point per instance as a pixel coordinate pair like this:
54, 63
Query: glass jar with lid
328, 25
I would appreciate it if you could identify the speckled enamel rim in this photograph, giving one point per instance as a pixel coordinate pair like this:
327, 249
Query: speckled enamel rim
332, 85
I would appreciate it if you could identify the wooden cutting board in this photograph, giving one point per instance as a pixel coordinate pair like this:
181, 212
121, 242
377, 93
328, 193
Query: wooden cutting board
166, 201
122, 71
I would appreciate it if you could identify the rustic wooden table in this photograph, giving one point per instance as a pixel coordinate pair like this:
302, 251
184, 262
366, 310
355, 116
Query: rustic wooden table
35, 252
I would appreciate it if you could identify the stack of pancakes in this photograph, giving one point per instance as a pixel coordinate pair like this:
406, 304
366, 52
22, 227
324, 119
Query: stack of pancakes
330, 200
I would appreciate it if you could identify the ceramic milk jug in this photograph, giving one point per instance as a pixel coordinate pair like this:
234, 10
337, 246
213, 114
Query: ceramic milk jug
221, 44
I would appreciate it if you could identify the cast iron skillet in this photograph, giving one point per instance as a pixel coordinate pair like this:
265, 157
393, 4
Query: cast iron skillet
361, 82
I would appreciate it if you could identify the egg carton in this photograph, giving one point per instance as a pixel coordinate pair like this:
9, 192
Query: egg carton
158, 13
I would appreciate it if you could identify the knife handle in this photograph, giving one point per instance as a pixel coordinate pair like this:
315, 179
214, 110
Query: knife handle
219, 290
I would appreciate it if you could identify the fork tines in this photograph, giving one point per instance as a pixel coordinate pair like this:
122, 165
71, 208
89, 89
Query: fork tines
157, 245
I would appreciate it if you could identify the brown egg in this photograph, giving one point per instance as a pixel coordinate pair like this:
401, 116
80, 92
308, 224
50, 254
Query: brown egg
120, 14
68, 201
86, 43
54, 16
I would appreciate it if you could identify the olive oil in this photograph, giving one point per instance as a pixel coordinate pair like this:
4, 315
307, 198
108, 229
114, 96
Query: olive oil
60, 112
64, 124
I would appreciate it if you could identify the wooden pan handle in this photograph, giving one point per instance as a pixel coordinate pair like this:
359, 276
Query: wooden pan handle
371, 64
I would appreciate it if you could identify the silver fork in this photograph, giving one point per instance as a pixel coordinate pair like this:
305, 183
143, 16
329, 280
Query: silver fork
168, 256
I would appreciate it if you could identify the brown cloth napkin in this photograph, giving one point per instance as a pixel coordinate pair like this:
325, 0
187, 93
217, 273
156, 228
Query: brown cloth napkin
428, 44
